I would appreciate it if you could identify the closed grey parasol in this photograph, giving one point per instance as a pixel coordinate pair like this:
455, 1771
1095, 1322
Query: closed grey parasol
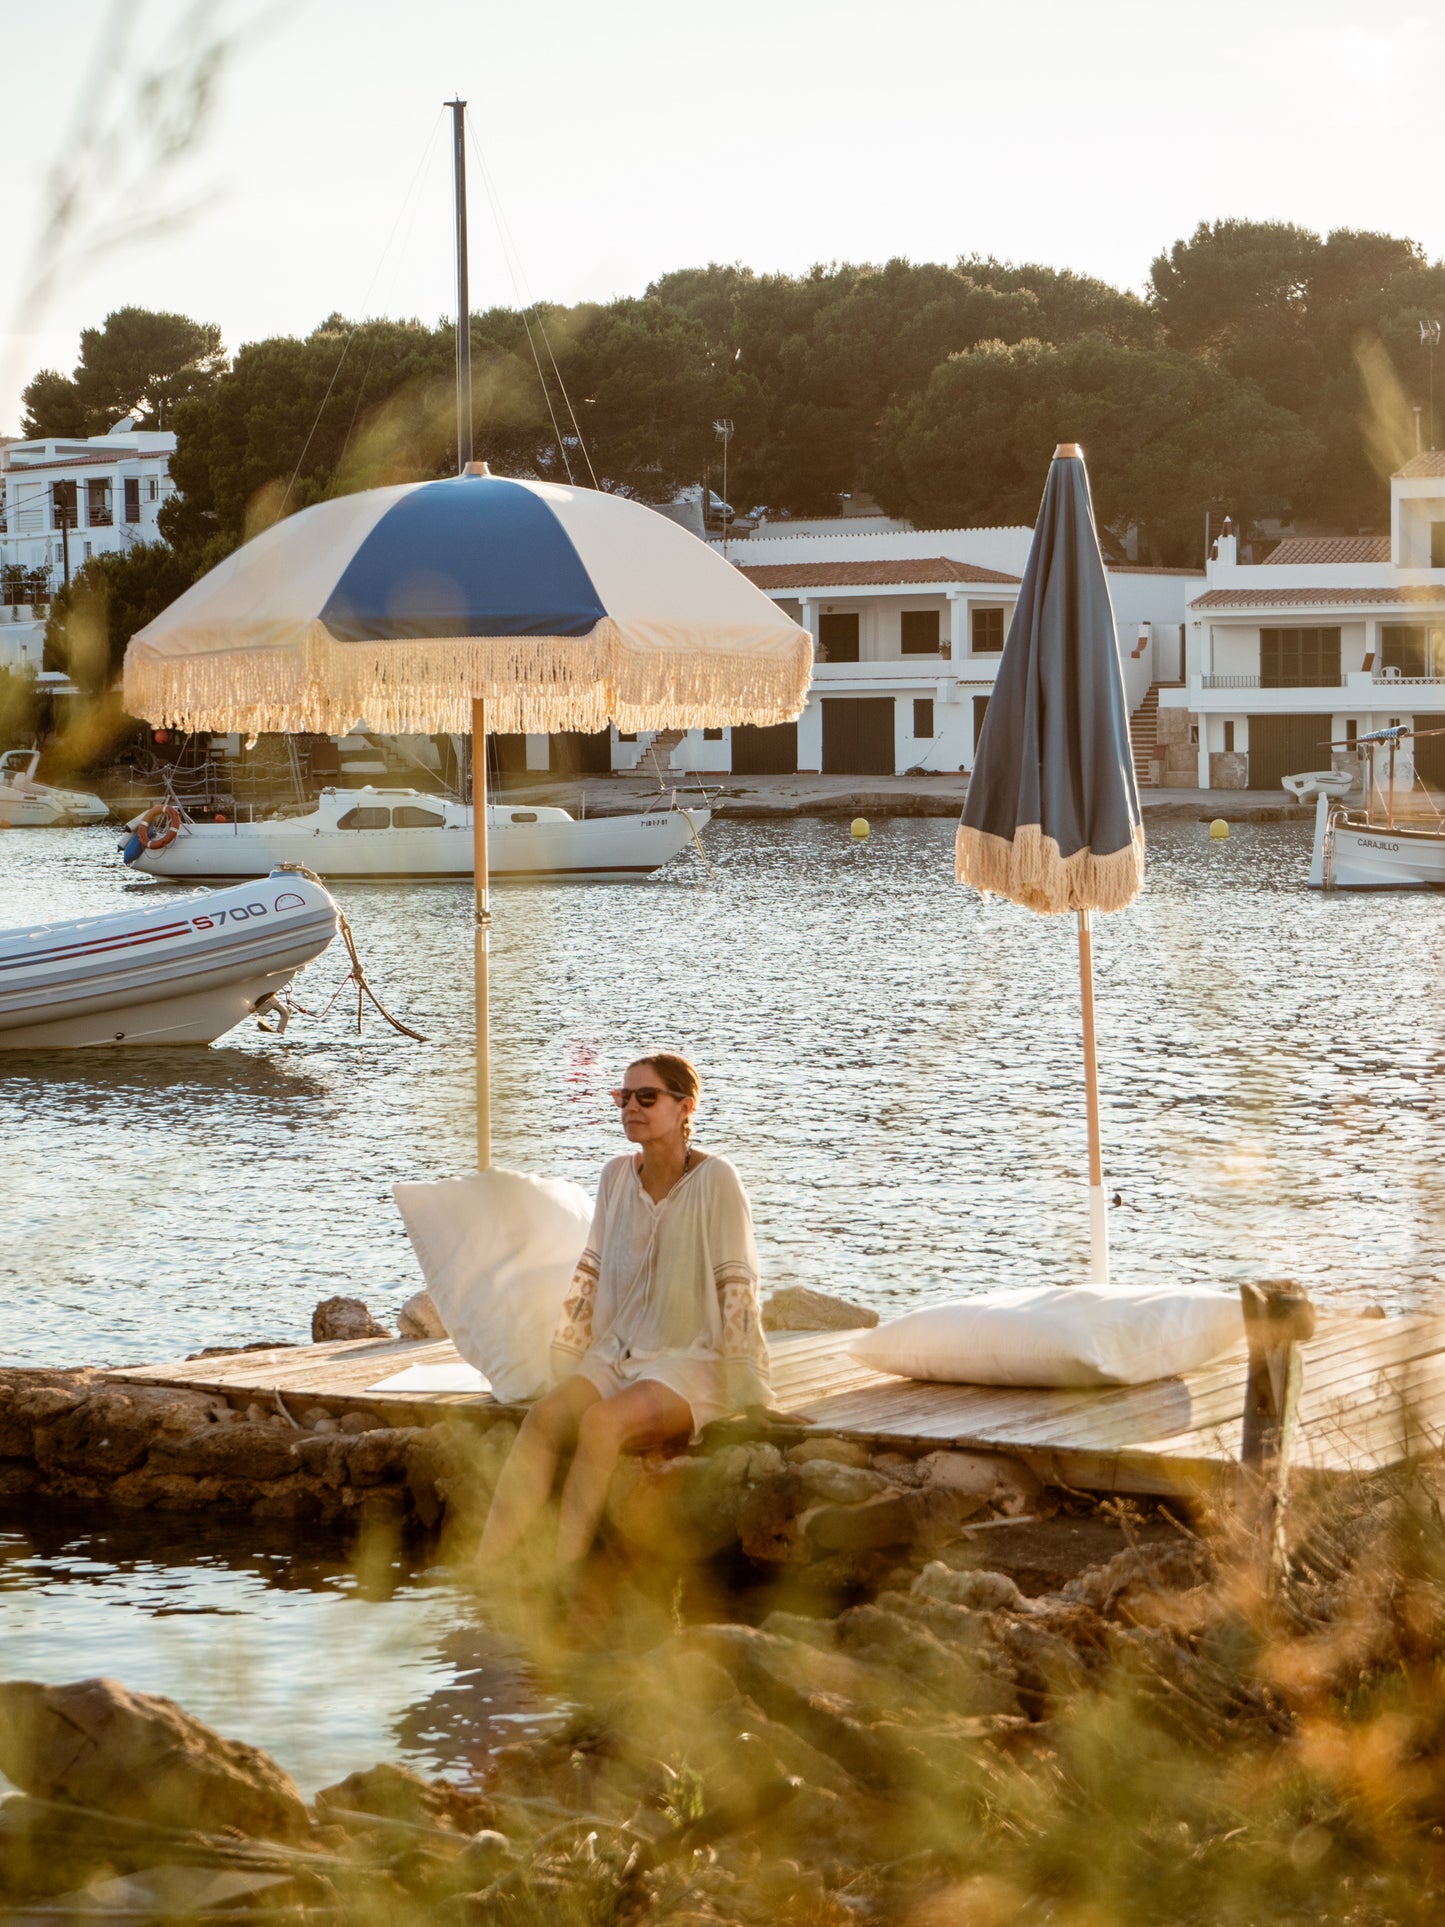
1052, 818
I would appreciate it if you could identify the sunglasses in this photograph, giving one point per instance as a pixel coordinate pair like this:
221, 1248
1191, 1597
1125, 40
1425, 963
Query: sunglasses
646, 1095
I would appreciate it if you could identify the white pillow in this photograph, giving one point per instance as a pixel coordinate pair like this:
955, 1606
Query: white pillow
1058, 1335
498, 1250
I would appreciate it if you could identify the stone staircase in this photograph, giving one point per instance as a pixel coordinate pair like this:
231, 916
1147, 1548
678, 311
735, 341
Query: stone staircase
658, 754
1143, 737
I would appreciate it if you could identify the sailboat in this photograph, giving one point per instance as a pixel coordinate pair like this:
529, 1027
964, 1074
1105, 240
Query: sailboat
1371, 848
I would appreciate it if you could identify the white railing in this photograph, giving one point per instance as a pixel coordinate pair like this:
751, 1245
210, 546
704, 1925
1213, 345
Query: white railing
1230, 682
1392, 679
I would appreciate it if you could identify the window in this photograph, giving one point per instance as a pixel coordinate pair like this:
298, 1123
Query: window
923, 716
1437, 545
627, 735
712, 735
363, 817
97, 505
1352, 731
838, 638
920, 632
524, 816
1229, 735
1405, 650
132, 499
1299, 658
987, 631
152, 489
409, 816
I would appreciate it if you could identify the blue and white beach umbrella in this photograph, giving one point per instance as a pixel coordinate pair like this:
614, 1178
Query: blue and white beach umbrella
473, 604
560, 608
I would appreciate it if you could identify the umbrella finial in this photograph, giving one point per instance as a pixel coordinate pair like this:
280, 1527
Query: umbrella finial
1069, 448
476, 468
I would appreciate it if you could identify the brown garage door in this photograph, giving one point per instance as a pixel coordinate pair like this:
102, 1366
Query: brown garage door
574, 752
765, 752
858, 736
1281, 746
1429, 754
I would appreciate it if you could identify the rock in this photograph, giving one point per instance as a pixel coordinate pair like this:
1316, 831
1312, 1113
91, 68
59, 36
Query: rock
840, 1451
841, 1484
375, 1456
326, 1425
387, 1792
344, 1318
768, 1518
98, 1744
926, 1516
982, 1591
1005, 1482
419, 1318
797, 1308
109, 1430
250, 1450
357, 1422
800, 1626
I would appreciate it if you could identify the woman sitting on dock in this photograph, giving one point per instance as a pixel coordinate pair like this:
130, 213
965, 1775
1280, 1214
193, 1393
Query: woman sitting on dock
661, 1332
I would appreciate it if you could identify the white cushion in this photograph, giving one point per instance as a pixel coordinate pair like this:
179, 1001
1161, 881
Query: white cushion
1058, 1335
498, 1250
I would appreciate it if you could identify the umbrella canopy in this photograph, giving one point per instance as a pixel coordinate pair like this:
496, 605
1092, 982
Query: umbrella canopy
1052, 818
560, 608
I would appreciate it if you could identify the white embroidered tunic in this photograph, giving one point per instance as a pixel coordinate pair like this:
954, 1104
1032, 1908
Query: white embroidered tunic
670, 1286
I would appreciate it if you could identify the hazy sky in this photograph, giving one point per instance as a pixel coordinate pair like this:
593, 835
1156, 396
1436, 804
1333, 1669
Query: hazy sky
627, 137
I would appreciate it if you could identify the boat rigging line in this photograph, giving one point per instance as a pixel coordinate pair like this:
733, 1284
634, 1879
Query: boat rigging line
356, 975
521, 289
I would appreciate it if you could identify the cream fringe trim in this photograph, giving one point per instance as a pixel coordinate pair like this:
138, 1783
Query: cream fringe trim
530, 684
1029, 870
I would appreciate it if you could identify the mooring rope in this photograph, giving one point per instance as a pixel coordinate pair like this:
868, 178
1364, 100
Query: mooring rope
357, 973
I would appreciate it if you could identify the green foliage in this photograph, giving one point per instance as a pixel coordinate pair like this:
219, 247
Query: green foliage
53, 406
139, 363
1166, 434
112, 596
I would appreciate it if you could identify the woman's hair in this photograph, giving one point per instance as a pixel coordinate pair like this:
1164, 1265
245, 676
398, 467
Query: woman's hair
677, 1074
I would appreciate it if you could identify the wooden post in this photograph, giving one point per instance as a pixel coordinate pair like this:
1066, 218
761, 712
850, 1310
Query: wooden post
1098, 1206
483, 933
1278, 1319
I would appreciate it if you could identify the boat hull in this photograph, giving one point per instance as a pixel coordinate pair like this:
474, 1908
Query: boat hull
165, 973
1362, 857
594, 848
21, 811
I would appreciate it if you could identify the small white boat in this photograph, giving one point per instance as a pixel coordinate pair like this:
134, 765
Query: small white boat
26, 804
1369, 848
166, 970
389, 833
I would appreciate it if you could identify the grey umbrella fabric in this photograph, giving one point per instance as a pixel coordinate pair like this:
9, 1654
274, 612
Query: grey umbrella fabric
1052, 819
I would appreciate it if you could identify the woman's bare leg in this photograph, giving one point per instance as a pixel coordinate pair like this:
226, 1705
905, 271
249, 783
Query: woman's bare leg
525, 1485
645, 1414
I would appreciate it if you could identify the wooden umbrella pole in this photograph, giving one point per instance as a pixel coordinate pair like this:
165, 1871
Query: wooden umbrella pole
483, 932
1098, 1208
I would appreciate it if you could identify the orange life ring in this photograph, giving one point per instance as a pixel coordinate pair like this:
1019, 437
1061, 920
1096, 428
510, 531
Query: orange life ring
157, 829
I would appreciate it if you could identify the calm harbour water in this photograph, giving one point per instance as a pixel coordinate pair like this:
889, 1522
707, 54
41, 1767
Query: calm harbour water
893, 1065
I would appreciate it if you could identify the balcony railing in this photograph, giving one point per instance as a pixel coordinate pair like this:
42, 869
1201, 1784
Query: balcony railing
1230, 682
1392, 679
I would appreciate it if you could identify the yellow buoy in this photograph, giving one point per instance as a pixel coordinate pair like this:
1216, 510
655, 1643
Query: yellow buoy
1219, 829
860, 828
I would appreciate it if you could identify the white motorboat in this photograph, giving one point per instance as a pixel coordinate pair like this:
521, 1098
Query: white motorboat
163, 970
390, 833
26, 804
1370, 848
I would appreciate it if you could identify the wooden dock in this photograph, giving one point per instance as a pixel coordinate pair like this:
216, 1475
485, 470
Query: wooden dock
1374, 1394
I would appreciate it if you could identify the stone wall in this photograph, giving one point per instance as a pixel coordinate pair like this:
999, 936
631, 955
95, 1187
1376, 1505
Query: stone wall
778, 1496
1228, 770
1179, 765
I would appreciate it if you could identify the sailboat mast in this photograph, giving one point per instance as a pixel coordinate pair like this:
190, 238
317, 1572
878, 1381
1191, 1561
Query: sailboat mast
464, 306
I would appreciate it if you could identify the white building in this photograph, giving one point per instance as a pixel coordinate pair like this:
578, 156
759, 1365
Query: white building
1328, 638
90, 495
908, 627
105, 490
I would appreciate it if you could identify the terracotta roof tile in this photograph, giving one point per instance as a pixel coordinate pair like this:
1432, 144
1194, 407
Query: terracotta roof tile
870, 575
1146, 568
1309, 549
1430, 462
1425, 595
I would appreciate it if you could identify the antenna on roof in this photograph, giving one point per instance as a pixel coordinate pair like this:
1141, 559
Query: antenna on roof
1430, 337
